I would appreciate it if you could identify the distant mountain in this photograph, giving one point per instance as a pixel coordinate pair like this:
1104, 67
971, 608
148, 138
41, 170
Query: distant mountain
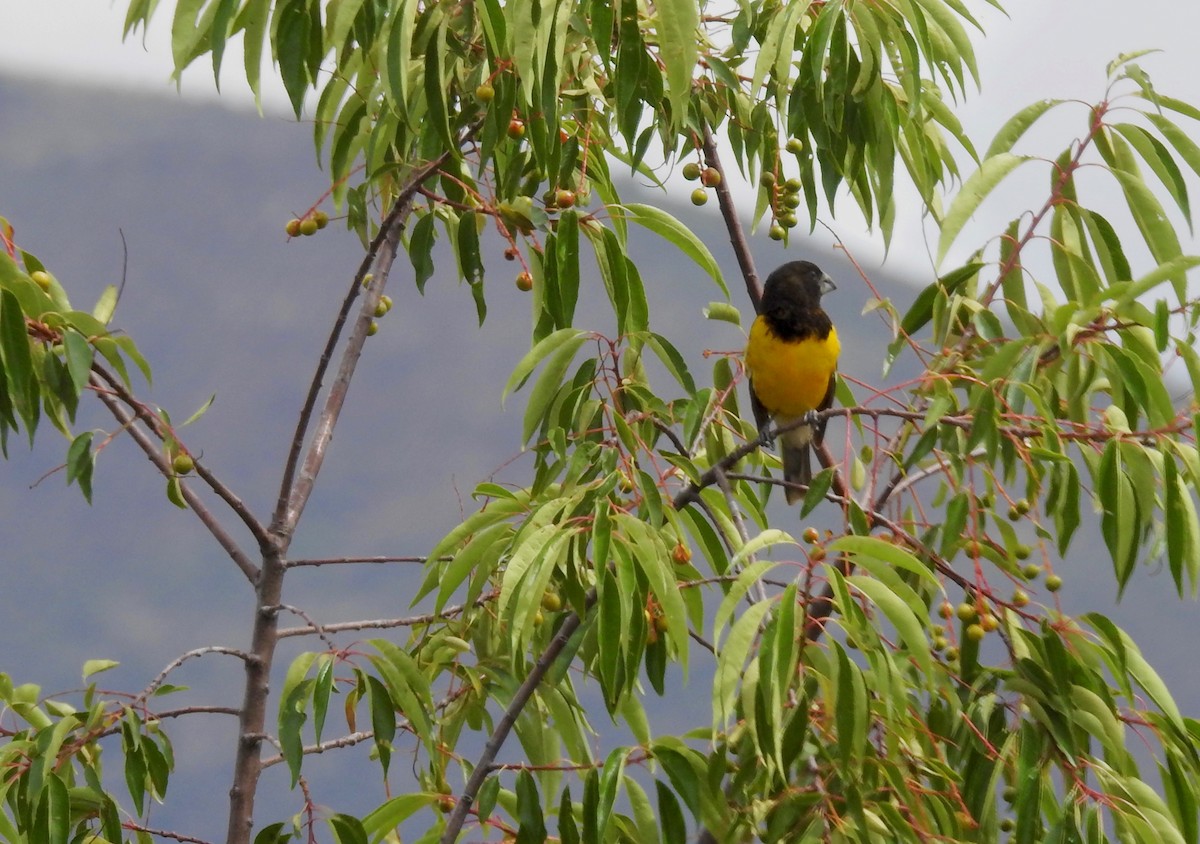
220, 302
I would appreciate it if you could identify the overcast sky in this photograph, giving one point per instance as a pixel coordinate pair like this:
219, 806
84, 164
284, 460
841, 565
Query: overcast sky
1043, 48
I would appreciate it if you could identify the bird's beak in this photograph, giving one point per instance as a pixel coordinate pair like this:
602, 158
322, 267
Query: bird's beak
827, 285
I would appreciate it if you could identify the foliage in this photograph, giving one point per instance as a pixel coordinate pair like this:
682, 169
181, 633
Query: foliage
841, 707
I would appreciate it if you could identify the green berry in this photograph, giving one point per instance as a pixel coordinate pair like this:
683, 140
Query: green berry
308, 227
699, 196
292, 228
776, 232
975, 632
485, 93
966, 612
183, 463
1053, 582
691, 171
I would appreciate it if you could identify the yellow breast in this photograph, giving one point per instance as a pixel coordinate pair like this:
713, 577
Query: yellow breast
790, 378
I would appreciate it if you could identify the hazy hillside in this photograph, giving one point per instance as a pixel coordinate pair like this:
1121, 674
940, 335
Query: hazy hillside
220, 302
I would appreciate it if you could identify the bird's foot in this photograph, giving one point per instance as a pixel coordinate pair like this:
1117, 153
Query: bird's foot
766, 437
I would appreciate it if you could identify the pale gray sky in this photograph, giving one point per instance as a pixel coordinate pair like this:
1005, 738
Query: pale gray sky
1043, 48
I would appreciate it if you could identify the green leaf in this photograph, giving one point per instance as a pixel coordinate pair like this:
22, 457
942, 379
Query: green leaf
670, 816
906, 622
731, 662
543, 349
106, 304
922, 309
672, 360
17, 360
1018, 125
893, 555
80, 464
383, 721
96, 666
408, 687
678, 21
347, 829
273, 834
252, 21
973, 192
670, 229
79, 360
52, 820
532, 826
175, 492
1159, 159
290, 37
384, 819
438, 88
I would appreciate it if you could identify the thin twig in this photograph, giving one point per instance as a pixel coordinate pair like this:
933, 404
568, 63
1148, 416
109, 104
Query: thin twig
151, 450
382, 623
343, 561
156, 425
333, 744
181, 659
162, 833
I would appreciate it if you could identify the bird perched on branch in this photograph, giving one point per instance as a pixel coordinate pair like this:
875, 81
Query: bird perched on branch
791, 358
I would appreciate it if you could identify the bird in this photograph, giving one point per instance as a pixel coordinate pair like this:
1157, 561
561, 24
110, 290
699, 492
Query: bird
791, 358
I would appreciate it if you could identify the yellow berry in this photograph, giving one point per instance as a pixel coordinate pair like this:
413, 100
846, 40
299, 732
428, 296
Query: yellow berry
308, 227
321, 218
551, 601
975, 632
183, 463
292, 228
1053, 582
699, 196
525, 282
372, 329
691, 171
41, 278
485, 93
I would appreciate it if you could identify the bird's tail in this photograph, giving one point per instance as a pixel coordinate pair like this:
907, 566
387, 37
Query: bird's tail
797, 468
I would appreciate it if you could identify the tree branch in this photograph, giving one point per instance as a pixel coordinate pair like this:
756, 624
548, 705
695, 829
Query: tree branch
484, 765
293, 494
737, 237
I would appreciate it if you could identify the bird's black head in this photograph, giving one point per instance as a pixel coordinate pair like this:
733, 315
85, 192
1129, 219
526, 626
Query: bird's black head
797, 285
